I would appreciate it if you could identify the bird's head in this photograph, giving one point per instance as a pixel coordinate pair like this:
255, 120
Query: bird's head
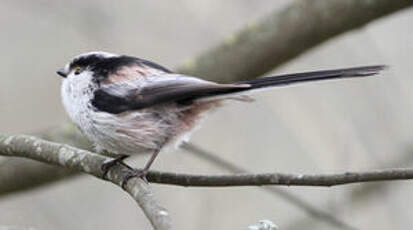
85, 62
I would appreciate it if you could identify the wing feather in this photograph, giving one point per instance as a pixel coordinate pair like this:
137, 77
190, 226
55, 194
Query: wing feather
134, 95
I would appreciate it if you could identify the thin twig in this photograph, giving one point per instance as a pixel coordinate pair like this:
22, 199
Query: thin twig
90, 163
323, 180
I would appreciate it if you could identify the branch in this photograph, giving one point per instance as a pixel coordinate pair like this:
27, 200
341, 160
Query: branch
87, 162
325, 180
283, 35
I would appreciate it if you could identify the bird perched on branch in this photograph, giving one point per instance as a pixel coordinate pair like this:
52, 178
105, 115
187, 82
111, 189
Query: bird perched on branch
127, 105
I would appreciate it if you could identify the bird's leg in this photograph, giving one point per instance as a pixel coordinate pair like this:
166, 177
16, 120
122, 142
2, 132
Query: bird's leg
109, 164
140, 172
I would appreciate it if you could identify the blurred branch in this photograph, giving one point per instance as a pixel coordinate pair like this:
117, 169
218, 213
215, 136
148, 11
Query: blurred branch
362, 193
31, 173
87, 162
308, 208
283, 35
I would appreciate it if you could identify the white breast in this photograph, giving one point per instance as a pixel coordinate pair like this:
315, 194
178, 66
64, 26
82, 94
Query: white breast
77, 92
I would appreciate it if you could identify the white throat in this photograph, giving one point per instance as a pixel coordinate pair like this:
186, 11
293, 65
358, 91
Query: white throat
77, 92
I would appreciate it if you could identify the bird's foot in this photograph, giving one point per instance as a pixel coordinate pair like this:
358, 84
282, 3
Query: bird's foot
109, 164
141, 173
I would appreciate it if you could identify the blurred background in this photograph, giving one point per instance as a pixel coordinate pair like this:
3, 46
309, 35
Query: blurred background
322, 127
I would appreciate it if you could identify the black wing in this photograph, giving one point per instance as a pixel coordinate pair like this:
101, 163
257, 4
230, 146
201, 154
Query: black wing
118, 98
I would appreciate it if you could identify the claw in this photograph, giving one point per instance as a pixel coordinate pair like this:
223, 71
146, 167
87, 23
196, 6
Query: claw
141, 173
108, 165
134, 173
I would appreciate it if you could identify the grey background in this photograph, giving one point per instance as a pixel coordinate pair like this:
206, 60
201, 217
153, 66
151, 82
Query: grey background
314, 128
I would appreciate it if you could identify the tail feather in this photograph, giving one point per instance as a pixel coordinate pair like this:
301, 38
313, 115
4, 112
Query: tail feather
282, 80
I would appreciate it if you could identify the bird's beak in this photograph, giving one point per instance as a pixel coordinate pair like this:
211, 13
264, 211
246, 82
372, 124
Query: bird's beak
62, 73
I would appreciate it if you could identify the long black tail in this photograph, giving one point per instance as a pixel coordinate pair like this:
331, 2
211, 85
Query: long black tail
227, 90
282, 80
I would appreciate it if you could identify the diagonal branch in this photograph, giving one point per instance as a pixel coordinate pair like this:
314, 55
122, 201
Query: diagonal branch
87, 162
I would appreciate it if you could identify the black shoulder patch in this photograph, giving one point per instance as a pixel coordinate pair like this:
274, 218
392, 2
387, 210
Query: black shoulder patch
106, 102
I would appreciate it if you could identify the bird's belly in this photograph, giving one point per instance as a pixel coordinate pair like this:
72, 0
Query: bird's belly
131, 132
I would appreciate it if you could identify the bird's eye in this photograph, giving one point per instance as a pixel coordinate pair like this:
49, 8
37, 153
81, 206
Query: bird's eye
77, 70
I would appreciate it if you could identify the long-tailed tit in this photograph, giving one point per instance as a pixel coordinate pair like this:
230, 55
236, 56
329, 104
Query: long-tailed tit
127, 105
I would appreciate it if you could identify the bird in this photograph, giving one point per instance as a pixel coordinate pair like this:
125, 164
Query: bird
127, 105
